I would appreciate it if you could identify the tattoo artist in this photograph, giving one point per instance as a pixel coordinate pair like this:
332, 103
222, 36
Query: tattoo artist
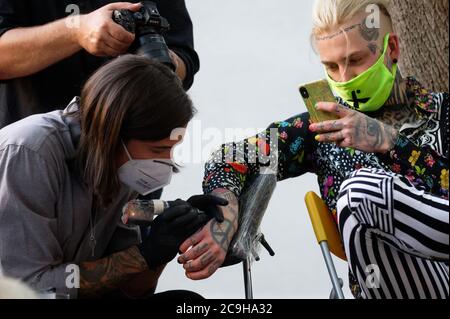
65, 176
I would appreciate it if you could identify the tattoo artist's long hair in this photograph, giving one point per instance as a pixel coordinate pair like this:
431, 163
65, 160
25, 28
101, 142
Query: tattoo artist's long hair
128, 98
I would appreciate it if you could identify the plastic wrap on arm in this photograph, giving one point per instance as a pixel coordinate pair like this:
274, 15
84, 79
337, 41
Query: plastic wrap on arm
252, 207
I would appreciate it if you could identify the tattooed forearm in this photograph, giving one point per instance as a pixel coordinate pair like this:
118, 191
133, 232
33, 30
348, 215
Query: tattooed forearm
223, 232
372, 135
224, 193
382, 137
105, 275
374, 132
391, 137
233, 203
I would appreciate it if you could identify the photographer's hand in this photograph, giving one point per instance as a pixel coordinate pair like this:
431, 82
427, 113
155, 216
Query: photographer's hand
100, 35
180, 66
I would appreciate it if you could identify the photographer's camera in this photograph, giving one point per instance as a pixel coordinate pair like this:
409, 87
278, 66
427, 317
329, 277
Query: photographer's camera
149, 27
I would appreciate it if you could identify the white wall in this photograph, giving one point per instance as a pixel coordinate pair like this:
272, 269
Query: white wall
254, 54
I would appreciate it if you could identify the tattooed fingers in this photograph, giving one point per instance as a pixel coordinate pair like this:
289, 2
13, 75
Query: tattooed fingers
330, 137
200, 263
209, 247
193, 253
358, 131
204, 272
328, 126
334, 108
207, 255
192, 241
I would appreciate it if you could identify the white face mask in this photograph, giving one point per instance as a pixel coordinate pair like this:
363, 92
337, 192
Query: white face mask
145, 176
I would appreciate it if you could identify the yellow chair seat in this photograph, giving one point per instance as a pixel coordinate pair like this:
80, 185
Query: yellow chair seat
324, 226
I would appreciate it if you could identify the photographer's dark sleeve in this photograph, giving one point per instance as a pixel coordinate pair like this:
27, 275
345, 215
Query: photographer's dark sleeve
180, 38
9, 18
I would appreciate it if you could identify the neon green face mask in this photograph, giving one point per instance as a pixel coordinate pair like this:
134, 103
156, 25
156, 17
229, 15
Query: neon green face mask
371, 89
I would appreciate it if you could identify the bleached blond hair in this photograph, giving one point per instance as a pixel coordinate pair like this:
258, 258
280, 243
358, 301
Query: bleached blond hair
330, 15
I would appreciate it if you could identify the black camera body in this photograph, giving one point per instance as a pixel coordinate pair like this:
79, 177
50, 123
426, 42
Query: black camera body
148, 26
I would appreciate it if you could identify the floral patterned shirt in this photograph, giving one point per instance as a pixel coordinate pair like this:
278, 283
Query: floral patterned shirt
420, 153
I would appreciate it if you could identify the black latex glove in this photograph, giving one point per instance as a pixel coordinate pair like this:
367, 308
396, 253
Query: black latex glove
169, 230
204, 203
209, 205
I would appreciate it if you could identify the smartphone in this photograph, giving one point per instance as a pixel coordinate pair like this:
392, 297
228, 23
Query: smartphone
315, 92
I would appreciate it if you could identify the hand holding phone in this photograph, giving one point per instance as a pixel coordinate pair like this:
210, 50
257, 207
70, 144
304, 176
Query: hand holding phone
315, 92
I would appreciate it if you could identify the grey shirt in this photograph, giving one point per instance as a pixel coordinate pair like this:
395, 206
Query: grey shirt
45, 211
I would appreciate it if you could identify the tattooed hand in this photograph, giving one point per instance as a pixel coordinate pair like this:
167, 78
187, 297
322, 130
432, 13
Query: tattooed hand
354, 130
204, 252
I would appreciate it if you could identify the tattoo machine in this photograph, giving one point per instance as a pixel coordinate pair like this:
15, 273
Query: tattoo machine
141, 212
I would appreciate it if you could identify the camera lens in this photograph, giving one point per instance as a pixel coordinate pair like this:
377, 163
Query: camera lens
149, 27
304, 92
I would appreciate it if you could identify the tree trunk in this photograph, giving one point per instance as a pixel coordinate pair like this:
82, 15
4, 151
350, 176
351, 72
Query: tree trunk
422, 26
